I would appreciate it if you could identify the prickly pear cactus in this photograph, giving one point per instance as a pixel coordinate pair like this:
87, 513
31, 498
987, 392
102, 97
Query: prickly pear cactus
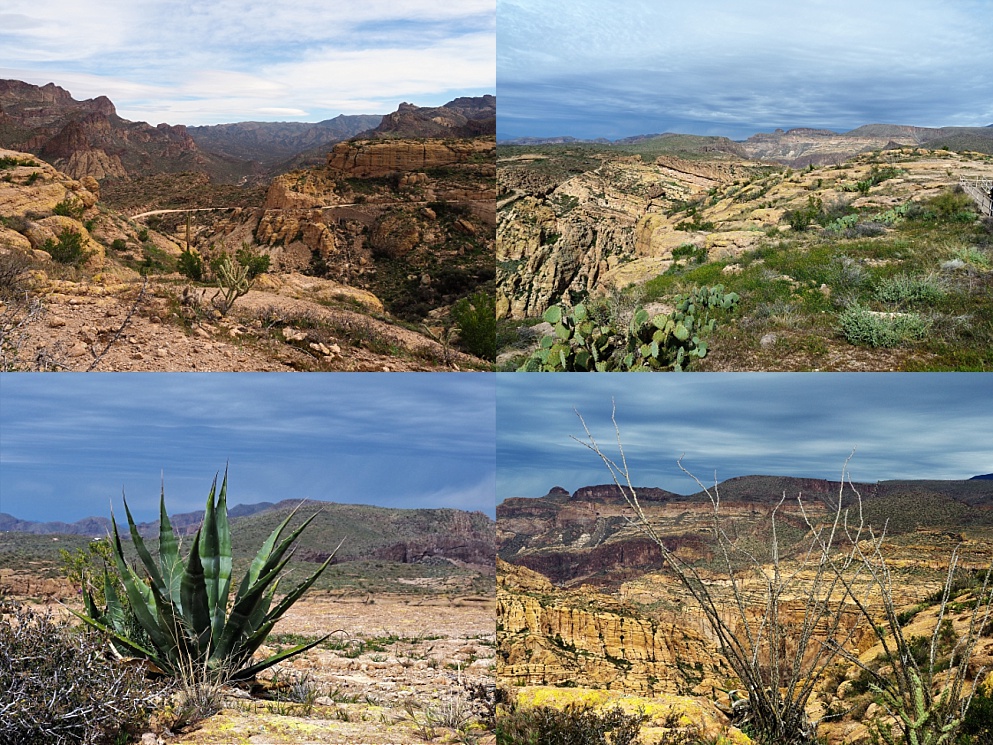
667, 341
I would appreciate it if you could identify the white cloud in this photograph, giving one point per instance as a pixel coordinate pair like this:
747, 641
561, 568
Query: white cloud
195, 63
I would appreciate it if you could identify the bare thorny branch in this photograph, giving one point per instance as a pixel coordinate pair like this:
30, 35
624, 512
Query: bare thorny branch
842, 551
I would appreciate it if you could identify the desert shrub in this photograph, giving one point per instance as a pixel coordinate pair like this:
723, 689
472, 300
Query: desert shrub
977, 725
869, 229
905, 289
476, 319
952, 205
575, 725
12, 268
190, 264
69, 207
143, 235
183, 607
801, 218
119, 244
254, 261
68, 249
862, 327
690, 252
9, 161
56, 685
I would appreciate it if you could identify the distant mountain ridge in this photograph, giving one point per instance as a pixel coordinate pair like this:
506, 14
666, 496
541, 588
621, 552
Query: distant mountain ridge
388, 533
88, 138
586, 536
270, 143
802, 146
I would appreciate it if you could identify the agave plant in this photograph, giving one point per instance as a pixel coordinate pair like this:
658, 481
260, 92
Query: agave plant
183, 608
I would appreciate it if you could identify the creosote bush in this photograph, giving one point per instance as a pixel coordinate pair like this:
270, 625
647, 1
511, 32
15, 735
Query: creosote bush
58, 687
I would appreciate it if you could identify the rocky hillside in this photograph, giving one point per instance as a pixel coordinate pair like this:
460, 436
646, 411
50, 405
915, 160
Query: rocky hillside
588, 639
802, 147
271, 143
88, 138
586, 536
411, 221
84, 287
815, 255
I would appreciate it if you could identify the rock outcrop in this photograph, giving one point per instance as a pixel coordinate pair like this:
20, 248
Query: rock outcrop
376, 158
591, 640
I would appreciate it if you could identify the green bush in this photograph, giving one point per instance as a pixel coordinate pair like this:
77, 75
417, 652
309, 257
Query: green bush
864, 328
905, 289
183, 608
254, 261
575, 725
69, 207
119, 244
190, 264
803, 217
56, 686
476, 319
68, 249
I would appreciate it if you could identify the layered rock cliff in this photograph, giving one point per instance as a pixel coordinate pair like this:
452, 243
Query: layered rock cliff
587, 639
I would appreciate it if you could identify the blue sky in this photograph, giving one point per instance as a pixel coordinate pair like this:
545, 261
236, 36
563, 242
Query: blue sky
190, 62
903, 425
70, 443
592, 68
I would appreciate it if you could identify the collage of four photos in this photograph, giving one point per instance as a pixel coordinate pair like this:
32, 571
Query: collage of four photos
782, 535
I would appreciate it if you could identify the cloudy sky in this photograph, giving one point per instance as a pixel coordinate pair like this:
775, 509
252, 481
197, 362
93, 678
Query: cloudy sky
603, 68
903, 425
191, 62
70, 443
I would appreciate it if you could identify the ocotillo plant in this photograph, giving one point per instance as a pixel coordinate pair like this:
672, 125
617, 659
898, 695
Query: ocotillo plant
183, 607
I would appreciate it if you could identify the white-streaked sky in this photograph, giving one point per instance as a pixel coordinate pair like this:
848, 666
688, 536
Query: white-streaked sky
69, 444
188, 62
903, 426
609, 68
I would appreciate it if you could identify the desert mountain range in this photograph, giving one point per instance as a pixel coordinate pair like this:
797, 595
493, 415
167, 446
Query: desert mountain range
803, 146
392, 534
88, 138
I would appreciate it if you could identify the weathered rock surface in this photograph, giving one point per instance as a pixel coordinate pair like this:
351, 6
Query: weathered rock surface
593, 640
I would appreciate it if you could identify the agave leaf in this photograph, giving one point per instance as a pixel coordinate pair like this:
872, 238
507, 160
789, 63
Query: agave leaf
251, 671
122, 640
254, 641
235, 630
261, 563
193, 590
115, 611
140, 600
169, 556
143, 554
224, 543
294, 595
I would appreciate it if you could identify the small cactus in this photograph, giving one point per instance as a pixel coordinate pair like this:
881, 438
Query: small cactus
667, 341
